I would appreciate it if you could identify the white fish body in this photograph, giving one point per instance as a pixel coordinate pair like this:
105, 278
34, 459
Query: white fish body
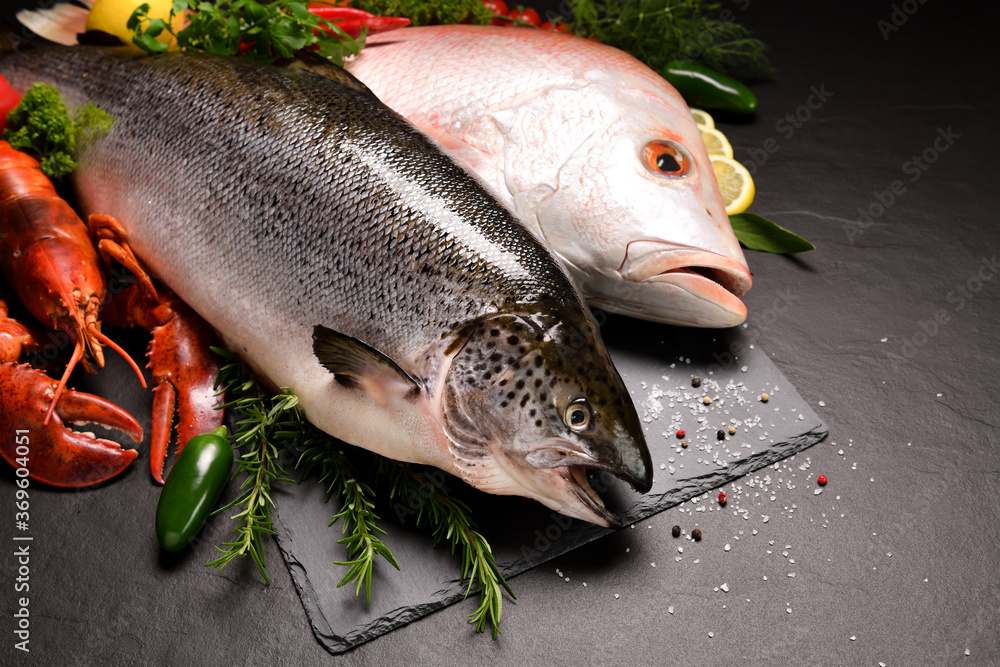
561, 128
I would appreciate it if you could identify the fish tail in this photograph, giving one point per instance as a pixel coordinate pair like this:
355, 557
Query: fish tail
60, 24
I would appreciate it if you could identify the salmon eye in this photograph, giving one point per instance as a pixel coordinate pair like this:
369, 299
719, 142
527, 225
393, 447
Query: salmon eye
666, 158
578, 415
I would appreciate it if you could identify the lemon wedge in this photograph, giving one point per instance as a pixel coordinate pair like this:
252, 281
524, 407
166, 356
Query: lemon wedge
716, 142
702, 118
111, 16
734, 183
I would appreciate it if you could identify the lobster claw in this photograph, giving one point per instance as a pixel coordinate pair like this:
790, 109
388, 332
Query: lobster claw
184, 371
183, 367
55, 454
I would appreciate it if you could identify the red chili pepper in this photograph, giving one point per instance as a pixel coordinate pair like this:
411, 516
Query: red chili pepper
722, 498
8, 100
352, 20
821, 480
680, 433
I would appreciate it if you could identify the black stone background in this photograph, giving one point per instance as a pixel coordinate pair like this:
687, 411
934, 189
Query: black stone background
895, 562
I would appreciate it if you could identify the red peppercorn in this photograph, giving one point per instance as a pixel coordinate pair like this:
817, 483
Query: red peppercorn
722, 497
821, 480
680, 433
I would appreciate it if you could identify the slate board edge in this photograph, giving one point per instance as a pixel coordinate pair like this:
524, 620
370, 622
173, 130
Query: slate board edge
455, 589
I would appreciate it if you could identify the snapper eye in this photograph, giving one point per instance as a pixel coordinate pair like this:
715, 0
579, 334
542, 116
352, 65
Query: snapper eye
666, 158
578, 415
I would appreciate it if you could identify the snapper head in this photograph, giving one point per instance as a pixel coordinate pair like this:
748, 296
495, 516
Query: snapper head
530, 405
637, 216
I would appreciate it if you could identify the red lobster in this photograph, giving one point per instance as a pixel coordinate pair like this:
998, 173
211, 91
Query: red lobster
49, 257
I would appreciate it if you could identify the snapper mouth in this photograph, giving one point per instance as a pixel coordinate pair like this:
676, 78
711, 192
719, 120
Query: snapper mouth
703, 287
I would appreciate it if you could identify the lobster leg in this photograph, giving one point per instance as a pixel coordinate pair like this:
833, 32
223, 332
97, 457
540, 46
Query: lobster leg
183, 367
50, 451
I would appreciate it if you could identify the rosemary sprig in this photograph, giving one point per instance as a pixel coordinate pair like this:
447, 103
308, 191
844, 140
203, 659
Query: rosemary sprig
265, 419
450, 520
273, 425
357, 511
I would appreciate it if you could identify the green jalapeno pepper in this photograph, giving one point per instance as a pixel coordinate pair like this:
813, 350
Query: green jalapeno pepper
705, 88
192, 488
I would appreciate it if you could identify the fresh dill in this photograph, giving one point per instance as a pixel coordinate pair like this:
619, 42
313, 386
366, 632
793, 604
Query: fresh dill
659, 31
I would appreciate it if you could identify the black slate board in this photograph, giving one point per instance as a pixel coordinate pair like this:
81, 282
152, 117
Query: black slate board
657, 363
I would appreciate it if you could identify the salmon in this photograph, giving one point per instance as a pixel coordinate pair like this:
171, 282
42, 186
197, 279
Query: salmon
344, 256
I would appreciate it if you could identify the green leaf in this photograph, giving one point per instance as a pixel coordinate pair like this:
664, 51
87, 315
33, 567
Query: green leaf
758, 233
148, 43
141, 12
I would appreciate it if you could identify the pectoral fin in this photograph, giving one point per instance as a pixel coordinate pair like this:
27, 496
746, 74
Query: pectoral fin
356, 364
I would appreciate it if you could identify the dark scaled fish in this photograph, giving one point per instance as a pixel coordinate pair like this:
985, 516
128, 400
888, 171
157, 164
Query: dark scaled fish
342, 255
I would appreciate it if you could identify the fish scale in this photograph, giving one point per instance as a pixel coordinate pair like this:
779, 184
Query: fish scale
342, 255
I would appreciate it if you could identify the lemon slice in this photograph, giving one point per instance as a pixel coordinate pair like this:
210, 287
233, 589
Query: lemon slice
111, 16
716, 142
734, 183
702, 118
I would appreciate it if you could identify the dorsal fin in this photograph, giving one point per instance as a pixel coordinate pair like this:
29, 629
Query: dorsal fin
329, 71
357, 364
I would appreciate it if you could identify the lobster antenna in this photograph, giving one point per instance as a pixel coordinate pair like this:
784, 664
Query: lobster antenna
77, 355
114, 346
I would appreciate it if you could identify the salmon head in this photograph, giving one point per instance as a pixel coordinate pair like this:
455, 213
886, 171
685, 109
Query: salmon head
530, 405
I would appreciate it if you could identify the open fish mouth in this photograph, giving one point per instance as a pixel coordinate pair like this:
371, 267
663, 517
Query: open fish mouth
589, 497
703, 287
580, 499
